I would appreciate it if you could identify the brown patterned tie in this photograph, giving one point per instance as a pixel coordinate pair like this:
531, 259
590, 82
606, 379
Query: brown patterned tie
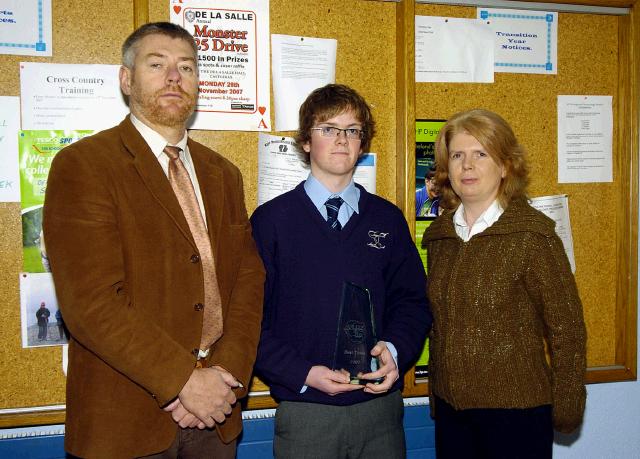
183, 188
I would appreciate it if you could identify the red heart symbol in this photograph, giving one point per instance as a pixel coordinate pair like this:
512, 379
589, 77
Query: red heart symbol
177, 8
262, 110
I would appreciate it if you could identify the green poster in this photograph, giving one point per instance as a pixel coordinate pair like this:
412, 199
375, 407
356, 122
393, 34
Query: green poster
422, 369
421, 226
426, 134
422, 365
428, 130
36, 151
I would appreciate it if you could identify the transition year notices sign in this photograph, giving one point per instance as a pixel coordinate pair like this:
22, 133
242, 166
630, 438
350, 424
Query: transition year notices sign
233, 62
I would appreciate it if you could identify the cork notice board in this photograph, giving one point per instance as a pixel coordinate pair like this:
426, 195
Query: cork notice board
375, 56
603, 215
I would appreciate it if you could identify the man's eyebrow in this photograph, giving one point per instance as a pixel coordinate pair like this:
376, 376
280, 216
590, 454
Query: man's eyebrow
154, 54
182, 58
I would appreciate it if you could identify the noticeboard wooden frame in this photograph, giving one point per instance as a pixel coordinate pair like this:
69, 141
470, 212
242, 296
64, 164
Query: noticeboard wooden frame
623, 366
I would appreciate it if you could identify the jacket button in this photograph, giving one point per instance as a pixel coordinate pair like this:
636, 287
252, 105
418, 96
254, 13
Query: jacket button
198, 306
195, 258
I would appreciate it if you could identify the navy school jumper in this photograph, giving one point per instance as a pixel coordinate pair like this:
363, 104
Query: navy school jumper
307, 263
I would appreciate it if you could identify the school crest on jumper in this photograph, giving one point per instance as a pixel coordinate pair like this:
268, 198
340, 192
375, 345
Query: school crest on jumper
377, 239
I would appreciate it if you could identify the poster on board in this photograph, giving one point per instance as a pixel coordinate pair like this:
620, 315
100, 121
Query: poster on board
233, 62
525, 41
427, 207
41, 320
299, 65
427, 200
25, 27
453, 50
556, 207
70, 96
281, 167
585, 139
36, 151
9, 127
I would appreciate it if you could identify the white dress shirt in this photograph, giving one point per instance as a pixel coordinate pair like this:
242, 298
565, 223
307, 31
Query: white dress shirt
157, 143
484, 221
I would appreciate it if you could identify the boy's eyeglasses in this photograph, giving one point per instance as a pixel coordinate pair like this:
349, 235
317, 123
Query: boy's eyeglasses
332, 131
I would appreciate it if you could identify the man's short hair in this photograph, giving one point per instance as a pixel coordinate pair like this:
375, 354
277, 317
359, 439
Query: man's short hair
131, 44
329, 101
497, 137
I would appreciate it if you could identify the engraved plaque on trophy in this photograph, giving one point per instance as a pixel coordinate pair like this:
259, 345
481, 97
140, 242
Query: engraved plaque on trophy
356, 334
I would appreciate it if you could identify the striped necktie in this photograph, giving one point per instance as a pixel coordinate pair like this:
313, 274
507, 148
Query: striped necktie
183, 188
333, 206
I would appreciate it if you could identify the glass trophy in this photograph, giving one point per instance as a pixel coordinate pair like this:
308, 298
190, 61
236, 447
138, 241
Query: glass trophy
356, 335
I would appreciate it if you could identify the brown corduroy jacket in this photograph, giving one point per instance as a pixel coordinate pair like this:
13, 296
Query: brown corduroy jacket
128, 285
495, 300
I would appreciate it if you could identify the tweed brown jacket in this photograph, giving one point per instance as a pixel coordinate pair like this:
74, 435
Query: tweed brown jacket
129, 284
496, 299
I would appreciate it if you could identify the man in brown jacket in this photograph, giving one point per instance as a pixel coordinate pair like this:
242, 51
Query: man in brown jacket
162, 298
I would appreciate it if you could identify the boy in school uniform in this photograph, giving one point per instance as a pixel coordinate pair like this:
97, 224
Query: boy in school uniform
326, 232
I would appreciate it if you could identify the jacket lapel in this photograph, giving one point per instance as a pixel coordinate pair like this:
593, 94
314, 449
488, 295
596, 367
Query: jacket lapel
211, 181
153, 176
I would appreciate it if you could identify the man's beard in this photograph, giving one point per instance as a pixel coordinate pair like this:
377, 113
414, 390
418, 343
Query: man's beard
152, 110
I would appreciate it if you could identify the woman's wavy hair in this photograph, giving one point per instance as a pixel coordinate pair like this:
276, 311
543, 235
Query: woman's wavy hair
497, 137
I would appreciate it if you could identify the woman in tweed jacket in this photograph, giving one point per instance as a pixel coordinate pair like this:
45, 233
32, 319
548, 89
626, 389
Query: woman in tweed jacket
501, 292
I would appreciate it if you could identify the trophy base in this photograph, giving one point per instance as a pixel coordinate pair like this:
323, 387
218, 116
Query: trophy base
362, 381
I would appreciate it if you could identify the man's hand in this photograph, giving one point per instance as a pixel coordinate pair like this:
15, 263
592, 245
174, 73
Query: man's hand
388, 370
207, 394
182, 417
329, 381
